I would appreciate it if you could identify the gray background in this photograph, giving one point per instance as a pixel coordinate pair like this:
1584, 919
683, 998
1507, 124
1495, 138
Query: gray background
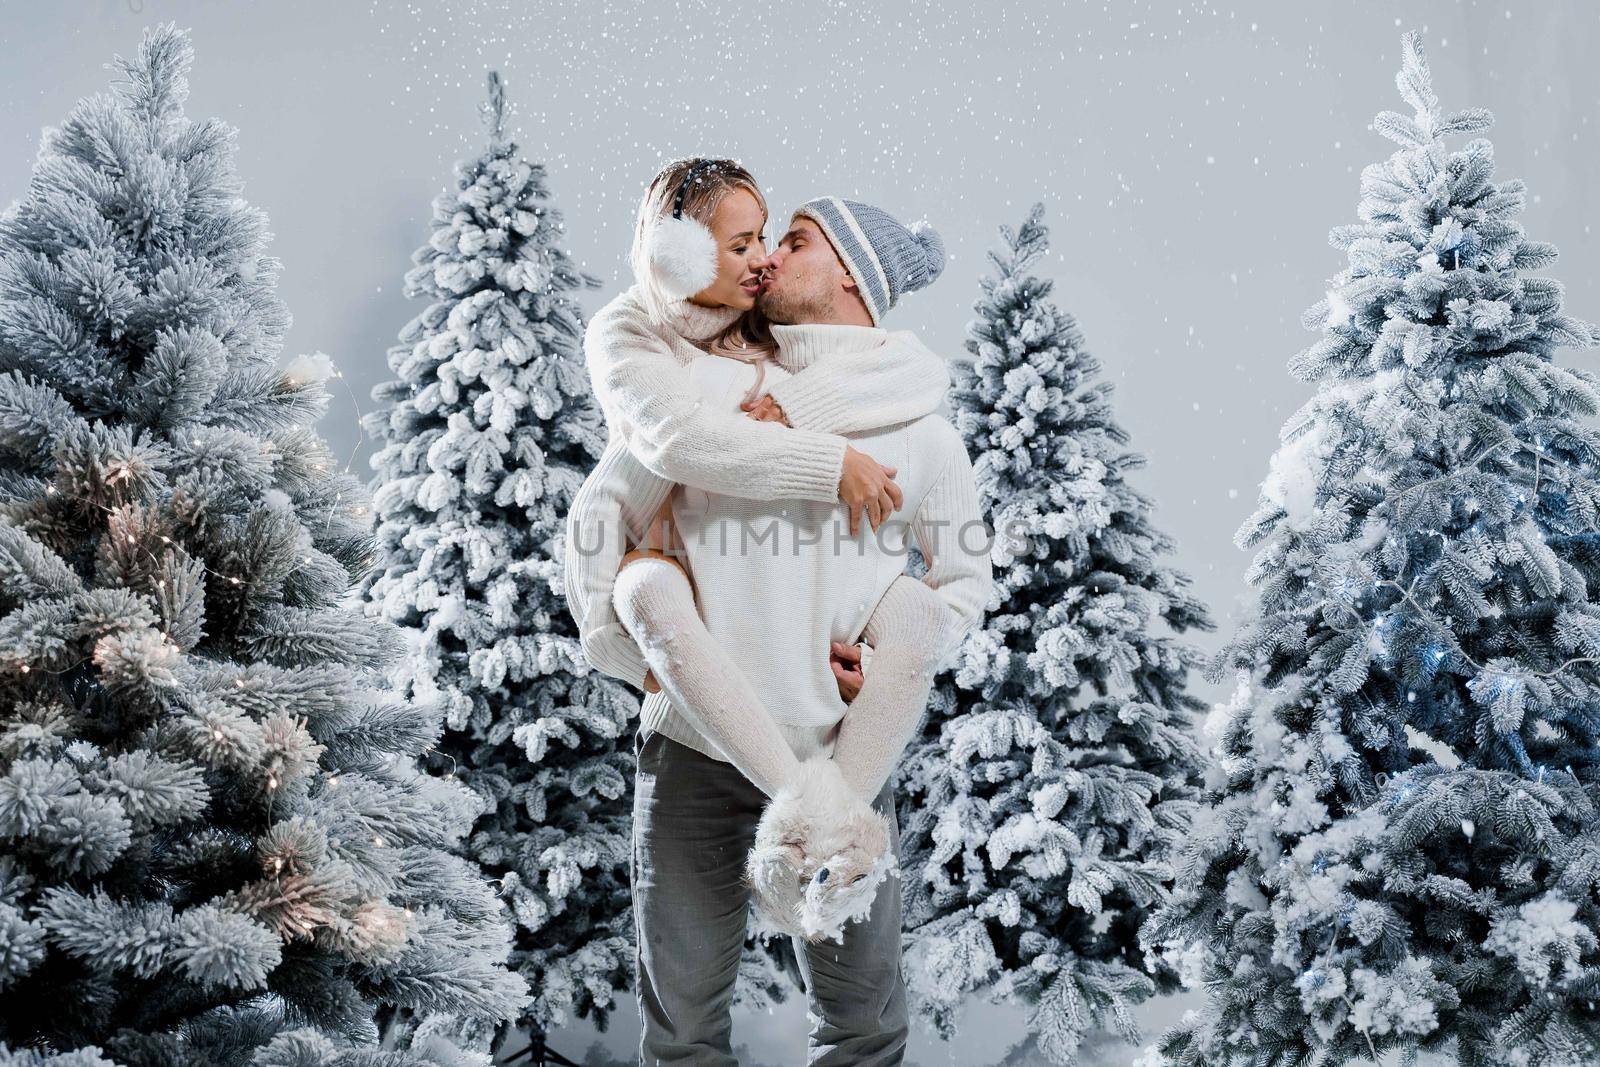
1193, 157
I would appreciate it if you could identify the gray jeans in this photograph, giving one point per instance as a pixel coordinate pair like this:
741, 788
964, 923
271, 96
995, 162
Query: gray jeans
694, 820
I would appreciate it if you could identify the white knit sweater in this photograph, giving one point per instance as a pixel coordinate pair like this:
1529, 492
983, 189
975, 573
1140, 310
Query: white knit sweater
884, 379
663, 431
777, 581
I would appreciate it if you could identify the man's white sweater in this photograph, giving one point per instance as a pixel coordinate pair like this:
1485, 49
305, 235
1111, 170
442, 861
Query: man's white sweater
871, 379
778, 581
662, 431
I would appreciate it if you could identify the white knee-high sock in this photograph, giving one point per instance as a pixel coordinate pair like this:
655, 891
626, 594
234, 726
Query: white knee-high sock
908, 630
655, 601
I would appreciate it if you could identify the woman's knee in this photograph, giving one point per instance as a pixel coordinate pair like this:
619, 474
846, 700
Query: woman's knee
648, 585
636, 554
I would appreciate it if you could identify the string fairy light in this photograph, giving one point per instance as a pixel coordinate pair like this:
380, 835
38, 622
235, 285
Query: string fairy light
355, 404
123, 473
1426, 617
124, 470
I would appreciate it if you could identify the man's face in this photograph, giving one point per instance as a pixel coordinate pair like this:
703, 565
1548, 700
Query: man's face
802, 277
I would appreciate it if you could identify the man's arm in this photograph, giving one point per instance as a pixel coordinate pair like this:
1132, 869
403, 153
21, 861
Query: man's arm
615, 503
670, 429
900, 380
916, 624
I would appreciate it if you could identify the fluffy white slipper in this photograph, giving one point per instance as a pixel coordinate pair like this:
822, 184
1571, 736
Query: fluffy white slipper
772, 872
683, 256
817, 822
843, 889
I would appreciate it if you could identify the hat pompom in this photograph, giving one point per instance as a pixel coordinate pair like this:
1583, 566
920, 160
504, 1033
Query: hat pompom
683, 256
932, 249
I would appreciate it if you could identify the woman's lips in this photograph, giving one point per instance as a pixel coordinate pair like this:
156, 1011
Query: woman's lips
752, 287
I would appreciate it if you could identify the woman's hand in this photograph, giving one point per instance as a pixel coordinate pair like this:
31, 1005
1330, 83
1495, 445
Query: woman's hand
865, 485
845, 660
765, 409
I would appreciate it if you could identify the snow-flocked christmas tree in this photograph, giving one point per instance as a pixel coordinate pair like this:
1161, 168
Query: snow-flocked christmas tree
217, 846
1057, 768
1401, 849
486, 434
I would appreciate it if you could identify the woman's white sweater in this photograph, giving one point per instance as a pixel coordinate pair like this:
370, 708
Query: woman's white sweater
662, 431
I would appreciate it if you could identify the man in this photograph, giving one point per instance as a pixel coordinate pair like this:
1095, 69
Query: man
778, 584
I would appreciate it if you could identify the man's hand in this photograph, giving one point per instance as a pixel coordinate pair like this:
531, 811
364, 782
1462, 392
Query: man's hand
867, 485
846, 663
766, 409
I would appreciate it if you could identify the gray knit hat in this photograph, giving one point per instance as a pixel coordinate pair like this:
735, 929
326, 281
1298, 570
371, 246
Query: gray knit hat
885, 258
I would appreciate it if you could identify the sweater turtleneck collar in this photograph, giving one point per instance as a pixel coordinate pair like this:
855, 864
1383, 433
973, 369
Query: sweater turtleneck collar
803, 344
698, 323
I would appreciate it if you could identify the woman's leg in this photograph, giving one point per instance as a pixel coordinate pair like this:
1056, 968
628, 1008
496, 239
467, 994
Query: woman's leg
701, 679
655, 601
908, 632
816, 816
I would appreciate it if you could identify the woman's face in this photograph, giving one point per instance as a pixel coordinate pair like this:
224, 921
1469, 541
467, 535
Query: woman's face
741, 250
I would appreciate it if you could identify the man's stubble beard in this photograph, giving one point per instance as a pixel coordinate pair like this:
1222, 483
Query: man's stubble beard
790, 310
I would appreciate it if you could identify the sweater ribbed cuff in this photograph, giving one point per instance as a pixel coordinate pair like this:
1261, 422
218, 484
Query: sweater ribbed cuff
816, 463
811, 402
657, 715
612, 651
910, 612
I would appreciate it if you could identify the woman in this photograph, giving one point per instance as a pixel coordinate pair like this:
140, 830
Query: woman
696, 256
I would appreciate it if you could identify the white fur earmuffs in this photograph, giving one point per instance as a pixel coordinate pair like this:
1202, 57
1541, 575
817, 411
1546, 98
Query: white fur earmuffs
680, 251
682, 254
